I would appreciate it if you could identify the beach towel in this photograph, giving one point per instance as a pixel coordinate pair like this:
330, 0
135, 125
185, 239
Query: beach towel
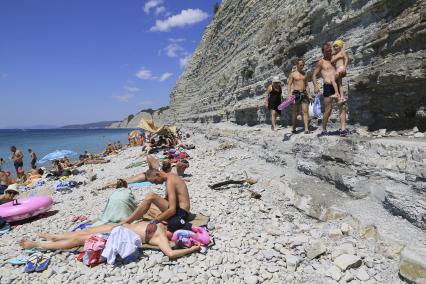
120, 205
122, 242
140, 184
136, 164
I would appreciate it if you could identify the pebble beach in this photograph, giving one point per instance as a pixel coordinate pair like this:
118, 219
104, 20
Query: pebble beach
264, 240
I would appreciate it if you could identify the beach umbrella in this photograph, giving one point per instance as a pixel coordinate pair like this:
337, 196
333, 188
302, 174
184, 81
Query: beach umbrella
134, 134
58, 154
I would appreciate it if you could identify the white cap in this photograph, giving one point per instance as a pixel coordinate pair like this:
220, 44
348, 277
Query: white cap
276, 79
12, 188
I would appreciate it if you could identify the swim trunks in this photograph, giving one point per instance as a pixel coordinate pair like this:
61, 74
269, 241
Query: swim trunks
274, 100
179, 221
300, 97
33, 162
328, 90
3, 187
18, 165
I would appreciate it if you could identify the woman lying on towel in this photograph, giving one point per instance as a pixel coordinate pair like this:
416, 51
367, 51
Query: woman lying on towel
152, 234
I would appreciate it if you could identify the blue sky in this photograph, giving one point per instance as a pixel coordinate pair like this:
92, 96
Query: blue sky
65, 62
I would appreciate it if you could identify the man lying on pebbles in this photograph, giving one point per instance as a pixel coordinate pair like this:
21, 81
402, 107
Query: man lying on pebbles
153, 163
153, 234
174, 208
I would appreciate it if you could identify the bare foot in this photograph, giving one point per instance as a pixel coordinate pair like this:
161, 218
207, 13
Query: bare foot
26, 244
46, 236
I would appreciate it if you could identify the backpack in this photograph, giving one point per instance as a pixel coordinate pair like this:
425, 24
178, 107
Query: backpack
93, 247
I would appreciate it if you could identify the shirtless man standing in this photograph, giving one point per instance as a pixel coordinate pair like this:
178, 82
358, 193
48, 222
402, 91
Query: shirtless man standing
297, 80
17, 158
174, 208
328, 73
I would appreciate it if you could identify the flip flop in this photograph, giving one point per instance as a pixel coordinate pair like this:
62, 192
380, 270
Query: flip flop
42, 264
5, 229
19, 260
31, 264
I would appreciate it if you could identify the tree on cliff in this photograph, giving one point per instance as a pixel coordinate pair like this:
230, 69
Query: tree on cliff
216, 7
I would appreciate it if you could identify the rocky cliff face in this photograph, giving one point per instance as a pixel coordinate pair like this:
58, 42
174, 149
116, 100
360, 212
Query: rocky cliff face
249, 41
157, 115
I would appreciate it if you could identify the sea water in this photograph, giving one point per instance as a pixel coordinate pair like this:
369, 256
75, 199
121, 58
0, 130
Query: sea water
45, 141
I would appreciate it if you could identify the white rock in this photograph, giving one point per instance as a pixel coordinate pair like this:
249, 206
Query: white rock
346, 248
345, 228
251, 279
315, 249
362, 274
334, 273
292, 262
346, 261
335, 234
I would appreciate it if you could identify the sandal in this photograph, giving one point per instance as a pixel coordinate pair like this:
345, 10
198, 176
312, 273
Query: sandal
31, 264
42, 264
19, 260
308, 132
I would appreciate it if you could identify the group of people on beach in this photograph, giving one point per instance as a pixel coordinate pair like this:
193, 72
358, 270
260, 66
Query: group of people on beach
332, 68
169, 213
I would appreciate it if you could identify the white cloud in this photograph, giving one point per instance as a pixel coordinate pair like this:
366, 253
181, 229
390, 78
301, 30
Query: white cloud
176, 40
186, 17
152, 4
173, 49
183, 62
144, 74
160, 10
124, 98
131, 89
165, 76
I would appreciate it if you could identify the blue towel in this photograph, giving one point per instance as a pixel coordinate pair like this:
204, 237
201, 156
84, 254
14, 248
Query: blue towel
140, 184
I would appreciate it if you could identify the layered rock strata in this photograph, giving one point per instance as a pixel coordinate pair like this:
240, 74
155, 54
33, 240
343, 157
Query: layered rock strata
249, 41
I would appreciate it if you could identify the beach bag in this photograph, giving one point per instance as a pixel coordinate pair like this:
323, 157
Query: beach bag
92, 254
95, 243
316, 107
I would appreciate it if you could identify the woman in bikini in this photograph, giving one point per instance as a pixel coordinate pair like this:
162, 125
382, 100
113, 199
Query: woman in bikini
152, 234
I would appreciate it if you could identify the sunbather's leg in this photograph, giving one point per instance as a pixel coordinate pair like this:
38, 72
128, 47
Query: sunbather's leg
63, 244
154, 211
137, 178
144, 206
153, 163
70, 235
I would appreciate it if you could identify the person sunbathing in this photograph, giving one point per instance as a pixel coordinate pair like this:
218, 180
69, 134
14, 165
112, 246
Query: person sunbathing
153, 163
65, 163
35, 174
152, 234
109, 150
